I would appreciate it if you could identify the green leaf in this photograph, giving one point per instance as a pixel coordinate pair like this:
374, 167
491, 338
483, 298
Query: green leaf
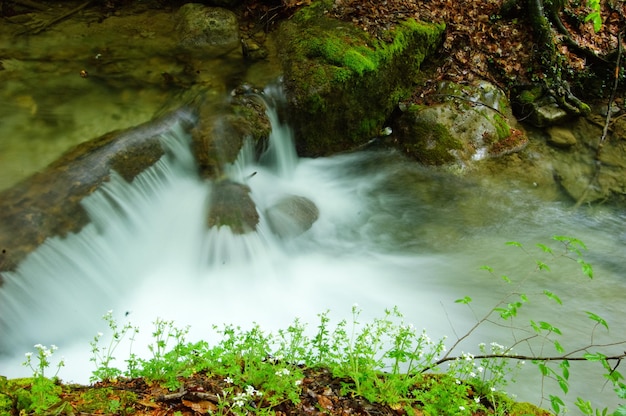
513, 243
542, 266
464, 301
565, 369
563, 384
596, 18
544, 248
552, 296
586, 268
558, 347
584, 406
523, 297
547, 327
594, 357
488, 268
620, 411
597, 319
506, 279
556, 403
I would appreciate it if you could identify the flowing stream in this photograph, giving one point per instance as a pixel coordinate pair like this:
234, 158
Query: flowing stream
389, 233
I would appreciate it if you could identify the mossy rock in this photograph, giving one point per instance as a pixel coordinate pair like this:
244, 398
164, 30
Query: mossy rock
221, 131
343, 83
466, 123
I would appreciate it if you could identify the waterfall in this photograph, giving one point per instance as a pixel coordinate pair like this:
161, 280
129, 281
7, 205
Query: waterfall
147, 254
388, 233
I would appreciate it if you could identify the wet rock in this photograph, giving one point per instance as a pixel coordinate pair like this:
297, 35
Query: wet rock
231, 206
48, 203
469, 123
222, 129
203, 29
537, 108
292, 216
561, 137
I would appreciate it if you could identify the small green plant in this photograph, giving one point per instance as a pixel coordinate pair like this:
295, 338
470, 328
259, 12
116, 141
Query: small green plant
102, 356
44, 391
594, 16
166, 366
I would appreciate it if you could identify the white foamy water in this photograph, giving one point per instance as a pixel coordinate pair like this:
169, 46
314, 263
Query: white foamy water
389, 234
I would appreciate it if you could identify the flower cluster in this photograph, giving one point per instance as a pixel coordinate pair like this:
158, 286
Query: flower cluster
43, 360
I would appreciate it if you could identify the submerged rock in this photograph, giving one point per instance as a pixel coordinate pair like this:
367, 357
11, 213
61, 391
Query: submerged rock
207, 29
561, 137
591, 171
292, 216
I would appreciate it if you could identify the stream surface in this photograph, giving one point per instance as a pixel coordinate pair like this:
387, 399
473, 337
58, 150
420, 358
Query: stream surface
390, 233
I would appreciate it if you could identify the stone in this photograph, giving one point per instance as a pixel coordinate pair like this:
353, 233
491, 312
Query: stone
204, 29
292, 216
561, 137
468, 124
230, 205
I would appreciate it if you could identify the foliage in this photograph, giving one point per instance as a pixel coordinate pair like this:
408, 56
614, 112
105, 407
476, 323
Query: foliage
594, 16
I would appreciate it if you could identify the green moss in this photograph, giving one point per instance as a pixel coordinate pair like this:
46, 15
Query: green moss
432, 144
531, 95
503, 130
107, 400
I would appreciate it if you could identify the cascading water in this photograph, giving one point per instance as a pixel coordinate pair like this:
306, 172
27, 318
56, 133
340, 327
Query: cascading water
388, 233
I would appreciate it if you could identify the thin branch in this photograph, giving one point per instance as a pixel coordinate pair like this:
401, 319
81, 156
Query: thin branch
521, 357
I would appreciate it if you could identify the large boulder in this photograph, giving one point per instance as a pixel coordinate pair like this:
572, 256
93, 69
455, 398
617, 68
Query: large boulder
342, 83
466, 123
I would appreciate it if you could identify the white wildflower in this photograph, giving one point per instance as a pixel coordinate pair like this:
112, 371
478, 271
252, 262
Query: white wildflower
228, 380
461, 408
